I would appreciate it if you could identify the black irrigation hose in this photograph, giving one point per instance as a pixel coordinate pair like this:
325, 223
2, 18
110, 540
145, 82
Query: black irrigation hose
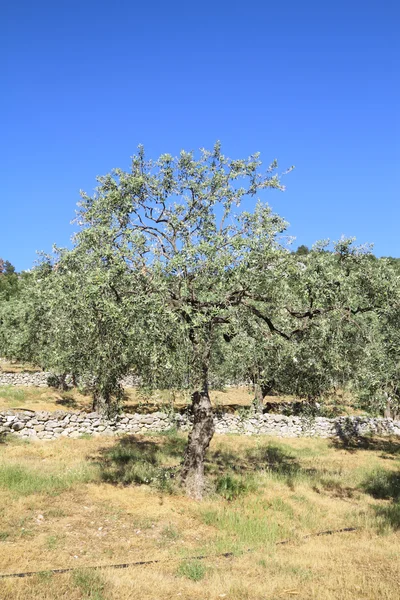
118, 566
327, 532
154, 562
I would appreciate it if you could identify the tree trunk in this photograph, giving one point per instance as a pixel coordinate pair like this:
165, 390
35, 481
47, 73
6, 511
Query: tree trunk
258, 398
62, 382
192, 473
387, 413
101, 404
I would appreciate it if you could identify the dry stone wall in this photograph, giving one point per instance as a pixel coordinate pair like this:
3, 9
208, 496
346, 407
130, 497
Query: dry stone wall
39, 379
36, 379
50, 425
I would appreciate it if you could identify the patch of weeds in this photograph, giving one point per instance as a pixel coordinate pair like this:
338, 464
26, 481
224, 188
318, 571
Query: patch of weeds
67, 401
247, 523
170, 532
263, 563
52, 542
231, 487
15, 440
27, 533
4, 535
385, 485
85, 436
193, 570
44, 576
336, 489
55, 513
239, 592
13, 394
300, 498
90, 584
282, 506
277, 461
143, 523
300, 572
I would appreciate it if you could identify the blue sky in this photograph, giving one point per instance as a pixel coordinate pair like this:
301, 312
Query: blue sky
313, 84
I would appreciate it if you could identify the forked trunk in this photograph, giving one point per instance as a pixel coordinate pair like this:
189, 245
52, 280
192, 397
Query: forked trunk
199, 439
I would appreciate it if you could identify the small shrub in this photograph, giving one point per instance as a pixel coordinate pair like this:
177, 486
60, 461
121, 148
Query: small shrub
193, 570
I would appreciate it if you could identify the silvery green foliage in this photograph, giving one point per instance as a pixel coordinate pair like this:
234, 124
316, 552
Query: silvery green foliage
177, 255
378, 378
339, 295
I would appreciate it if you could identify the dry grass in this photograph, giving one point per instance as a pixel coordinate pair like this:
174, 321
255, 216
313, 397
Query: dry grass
231, 399
17, 367
35, 398
59, 512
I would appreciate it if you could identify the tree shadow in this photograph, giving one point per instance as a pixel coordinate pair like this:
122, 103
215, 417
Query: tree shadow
389, 448
67, 401
270, 458
385, 485
134, 460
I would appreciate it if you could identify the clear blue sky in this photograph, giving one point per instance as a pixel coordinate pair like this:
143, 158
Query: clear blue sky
314, 84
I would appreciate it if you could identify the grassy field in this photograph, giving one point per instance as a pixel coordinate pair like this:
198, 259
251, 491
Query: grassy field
102, 501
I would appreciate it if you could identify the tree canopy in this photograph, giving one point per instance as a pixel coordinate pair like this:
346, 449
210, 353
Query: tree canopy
182, 272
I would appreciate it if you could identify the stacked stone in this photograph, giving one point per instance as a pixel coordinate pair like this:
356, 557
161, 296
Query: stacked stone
39, 379
36, 379
50, 425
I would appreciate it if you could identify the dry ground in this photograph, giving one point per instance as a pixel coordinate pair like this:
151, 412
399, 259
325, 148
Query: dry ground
230, 399
36, 398
101, 501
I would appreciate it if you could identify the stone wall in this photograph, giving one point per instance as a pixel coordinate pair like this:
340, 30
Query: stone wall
50, 425
39, 379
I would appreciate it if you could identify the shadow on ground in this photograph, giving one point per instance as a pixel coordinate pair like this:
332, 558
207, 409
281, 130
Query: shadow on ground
137, 460
67, 401
266, 458
389, 448
385, 485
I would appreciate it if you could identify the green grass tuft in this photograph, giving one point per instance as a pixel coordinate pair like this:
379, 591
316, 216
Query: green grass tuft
90, 584
193, 570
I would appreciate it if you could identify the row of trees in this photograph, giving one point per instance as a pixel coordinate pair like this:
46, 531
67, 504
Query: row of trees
182, 273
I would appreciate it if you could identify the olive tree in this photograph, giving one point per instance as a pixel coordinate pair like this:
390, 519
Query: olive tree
176, 255
175, 228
